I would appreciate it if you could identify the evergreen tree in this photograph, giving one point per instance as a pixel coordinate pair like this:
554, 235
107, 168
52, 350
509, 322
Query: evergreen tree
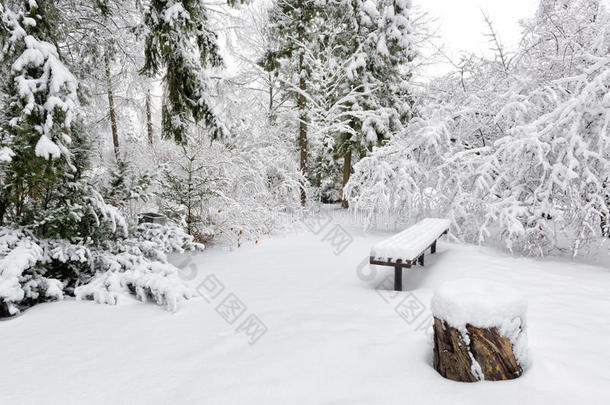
39, 110
180, 45
125, 185
186, 185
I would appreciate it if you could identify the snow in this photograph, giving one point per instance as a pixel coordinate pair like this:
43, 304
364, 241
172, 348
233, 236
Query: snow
334, 336
370, 8
46, 148
481, 303
175, 12
382, 48
408, 244
21, 256
155, 282
6, 154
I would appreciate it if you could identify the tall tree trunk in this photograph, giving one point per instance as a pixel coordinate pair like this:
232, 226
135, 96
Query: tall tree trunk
319, 171
347, 169
113, 125
270, 98
604, 218
149, 125
302, 102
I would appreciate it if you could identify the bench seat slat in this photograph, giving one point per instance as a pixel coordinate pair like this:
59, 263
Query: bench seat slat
409, 244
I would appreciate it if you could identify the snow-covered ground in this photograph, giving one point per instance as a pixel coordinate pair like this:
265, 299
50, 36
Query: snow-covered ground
333, 335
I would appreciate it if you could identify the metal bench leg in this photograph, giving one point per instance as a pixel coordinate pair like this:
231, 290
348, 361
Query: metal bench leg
433, 247
397, 278
421, 259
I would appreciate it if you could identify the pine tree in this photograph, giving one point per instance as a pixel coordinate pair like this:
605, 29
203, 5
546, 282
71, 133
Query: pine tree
125, 185
38, 112
180, 45
186, 185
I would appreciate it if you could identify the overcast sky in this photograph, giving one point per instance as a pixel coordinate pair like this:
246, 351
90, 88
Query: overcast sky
462, 27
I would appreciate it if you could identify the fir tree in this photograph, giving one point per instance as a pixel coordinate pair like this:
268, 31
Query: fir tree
180, 45
186, 186
125, 185
38, 112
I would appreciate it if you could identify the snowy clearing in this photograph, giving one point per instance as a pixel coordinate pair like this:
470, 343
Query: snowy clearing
332, 337
141, 141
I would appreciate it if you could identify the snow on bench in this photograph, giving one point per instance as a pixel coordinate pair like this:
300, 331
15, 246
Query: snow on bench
409, 244
407, 248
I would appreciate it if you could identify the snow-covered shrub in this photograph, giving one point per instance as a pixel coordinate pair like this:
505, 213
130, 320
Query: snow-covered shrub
19, 280
34, 270
260, 190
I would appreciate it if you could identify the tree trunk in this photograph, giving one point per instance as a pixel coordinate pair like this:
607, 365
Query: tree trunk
487, 355
604, 218
113, 125
270, 98
302, 103
318, 183
149, 124
347, 169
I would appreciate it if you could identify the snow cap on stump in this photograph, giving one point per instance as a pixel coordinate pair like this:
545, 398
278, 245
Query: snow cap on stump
480, 303
479, 330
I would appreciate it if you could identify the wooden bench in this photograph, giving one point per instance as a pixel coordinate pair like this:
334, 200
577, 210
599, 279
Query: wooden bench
406, 248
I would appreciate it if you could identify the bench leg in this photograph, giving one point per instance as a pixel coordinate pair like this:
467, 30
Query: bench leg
397, 278
421, 259
433, 247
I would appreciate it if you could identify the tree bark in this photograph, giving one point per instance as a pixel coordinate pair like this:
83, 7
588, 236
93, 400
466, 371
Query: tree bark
604, 218
347, 169
318, 182
454, 358
113, 124
149, 124
270, 97
302, 103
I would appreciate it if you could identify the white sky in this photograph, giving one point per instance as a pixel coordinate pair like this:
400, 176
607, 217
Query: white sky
462, 27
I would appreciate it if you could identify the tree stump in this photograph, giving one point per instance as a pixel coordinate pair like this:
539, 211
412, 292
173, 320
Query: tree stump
479, 331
